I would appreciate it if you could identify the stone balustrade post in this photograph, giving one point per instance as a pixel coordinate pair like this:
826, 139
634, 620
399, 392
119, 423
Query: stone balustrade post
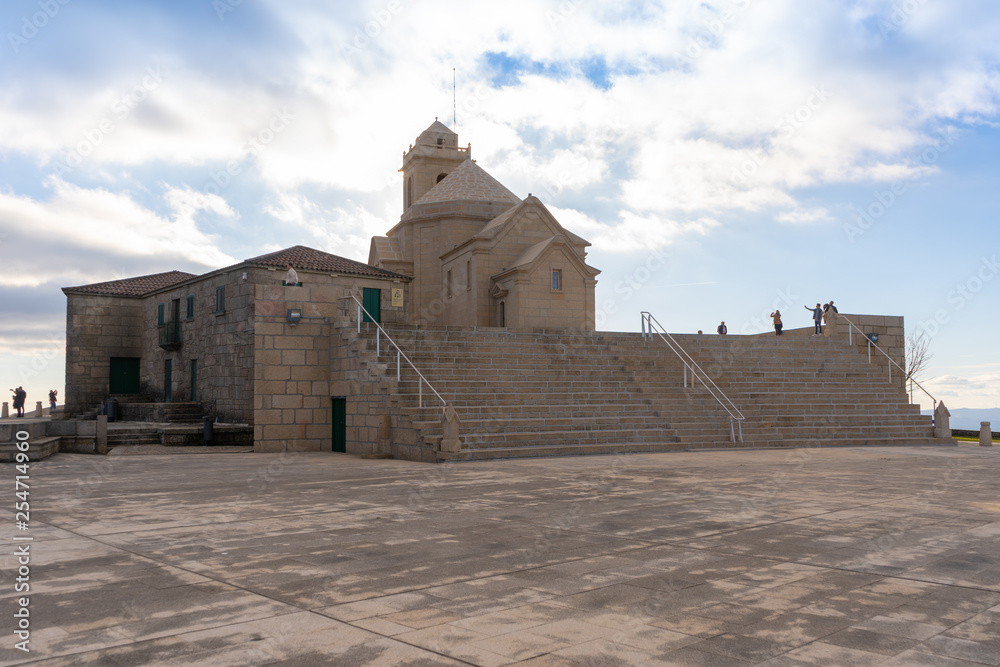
5, 413
942, 421
985, 435
101, 435
450, 426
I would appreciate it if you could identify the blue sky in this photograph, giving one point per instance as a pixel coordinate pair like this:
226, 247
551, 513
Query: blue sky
771, 154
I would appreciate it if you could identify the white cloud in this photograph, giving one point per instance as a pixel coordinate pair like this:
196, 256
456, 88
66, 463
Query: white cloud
804, 215
344, 231
631, 232
84, 235
980, 390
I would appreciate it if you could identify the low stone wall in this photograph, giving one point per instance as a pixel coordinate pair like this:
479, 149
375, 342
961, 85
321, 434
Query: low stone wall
973, 434
891, 338
74, 436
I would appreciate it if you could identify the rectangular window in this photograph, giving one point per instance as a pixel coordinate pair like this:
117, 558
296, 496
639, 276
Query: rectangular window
556, 280
468, 274
448, 285
220, 299
160, 318
190, 307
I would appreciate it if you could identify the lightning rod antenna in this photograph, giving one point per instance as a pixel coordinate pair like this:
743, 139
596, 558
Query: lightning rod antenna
454, 99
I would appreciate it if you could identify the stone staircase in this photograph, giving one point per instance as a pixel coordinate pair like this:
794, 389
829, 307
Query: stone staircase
556, 393
122, 435
161, 413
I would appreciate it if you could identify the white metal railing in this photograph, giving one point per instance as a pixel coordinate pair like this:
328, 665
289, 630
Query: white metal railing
399, 355
690, 365
871, 344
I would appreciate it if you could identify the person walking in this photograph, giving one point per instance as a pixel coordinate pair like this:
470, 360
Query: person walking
722, 330
817, 319
776, 318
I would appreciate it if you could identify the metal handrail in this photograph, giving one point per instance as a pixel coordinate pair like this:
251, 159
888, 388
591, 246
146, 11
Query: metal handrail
892, 362
690, 364
399, 353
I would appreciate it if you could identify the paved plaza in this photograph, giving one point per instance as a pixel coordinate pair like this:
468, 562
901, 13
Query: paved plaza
882, 556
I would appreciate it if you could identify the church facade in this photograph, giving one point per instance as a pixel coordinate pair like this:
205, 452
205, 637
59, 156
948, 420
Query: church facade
480, 256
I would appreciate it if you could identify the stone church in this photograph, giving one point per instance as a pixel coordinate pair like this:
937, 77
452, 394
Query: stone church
469, 334
480, 256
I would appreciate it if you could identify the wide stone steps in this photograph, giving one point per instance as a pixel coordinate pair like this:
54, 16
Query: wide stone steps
549, 394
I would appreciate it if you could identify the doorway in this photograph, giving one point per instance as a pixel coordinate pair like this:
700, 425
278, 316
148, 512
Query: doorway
124, 375
339, 422
372, 301
168, 381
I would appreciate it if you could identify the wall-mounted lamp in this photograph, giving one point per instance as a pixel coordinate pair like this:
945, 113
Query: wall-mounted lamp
873, 337
293, 316
244, 276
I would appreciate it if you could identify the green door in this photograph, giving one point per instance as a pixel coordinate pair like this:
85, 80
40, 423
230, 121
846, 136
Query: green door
339, 424
372, 301
168, 381
124, 375
194, 379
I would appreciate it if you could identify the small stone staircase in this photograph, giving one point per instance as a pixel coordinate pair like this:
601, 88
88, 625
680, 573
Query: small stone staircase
123, 435
525, 394
181, 413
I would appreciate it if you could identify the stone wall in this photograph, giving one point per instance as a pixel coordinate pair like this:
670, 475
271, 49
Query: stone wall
220, 342
533, 304
97, 328
891, 338
299, 367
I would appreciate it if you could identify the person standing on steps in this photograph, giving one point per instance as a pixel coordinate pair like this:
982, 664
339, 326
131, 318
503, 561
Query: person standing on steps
722, 330
776, 318
817, 319
52, 399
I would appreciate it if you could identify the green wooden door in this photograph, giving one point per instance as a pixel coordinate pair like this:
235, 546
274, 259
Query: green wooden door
124, 375
339, 424
168, 381
372, 301
194, 379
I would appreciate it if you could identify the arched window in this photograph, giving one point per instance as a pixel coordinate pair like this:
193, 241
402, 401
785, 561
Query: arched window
441, 177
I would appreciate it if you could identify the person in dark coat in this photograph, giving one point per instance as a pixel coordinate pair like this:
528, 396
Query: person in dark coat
776, 318
19, 397
817, 318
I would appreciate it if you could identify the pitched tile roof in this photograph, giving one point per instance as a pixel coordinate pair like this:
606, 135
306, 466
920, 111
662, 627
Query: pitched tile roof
308, 259
469, 182
134, 287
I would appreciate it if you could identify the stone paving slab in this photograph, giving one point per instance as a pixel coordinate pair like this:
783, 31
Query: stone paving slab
882, 556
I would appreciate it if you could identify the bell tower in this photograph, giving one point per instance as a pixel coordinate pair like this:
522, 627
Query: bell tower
435, 154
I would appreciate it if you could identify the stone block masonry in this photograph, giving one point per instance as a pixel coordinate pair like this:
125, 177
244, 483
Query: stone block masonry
298, 367
97, 329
